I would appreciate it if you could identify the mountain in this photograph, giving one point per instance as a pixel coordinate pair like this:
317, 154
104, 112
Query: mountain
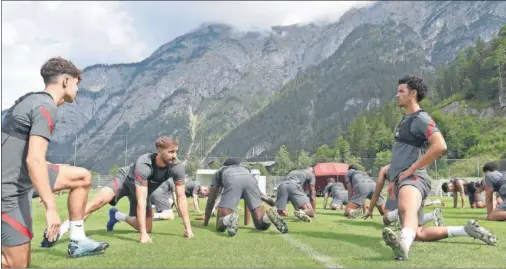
362, 74
226, 92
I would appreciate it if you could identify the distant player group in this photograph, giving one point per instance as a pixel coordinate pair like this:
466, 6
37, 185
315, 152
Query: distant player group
157, 180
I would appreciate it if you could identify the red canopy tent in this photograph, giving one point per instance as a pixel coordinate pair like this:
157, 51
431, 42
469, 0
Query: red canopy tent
326, 170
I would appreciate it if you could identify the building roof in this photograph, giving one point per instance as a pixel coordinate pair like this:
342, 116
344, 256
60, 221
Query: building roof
330, 169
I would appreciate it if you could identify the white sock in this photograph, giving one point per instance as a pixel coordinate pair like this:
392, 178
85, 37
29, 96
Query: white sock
456, 231
120, 216
436, 202
77, 230
427, 217
407, 237
266, 219
392, 215
65, 227
157, 216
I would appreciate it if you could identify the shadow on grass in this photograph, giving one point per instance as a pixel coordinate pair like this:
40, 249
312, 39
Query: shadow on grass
331, 213
115, 234
361, 222
50, 251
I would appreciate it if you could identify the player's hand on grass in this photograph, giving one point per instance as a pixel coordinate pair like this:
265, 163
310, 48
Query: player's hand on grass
189, 234
367, 215
145, 238
53, 223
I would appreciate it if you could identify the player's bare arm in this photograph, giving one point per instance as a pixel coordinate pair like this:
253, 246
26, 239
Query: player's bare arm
489, 192
325, 198
313, 196
437, 146
141, 193
377, 191
39, 175
183, 207
462, 193
196, 202
211, 199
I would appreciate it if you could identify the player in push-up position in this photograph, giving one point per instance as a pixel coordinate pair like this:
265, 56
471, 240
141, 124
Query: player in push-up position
338, 193
412, 182
26, 132
292, 189
495, 181
360, 187
139, 180
237, 182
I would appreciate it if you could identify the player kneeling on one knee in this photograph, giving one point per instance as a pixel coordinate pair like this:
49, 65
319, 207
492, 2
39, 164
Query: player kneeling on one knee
361, 187
292, 189
237, 182
27, 129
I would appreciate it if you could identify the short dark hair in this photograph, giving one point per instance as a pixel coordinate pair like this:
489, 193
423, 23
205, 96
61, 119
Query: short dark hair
415, 83
353, 166
489, 167
331, 179
57, 66
231, 161
444, 187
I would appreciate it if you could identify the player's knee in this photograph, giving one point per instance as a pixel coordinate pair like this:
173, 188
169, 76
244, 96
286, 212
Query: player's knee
86, 179
282, 213
18, 263
310, 213
421, 235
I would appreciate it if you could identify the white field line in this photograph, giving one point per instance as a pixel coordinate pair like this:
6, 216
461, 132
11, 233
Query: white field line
311, 252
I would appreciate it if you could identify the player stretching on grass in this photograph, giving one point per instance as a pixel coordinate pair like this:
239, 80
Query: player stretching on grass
292, 189
194, 190
360, 187
338, 193
26, 131
412, 183
238, 182
456, 185
137, 181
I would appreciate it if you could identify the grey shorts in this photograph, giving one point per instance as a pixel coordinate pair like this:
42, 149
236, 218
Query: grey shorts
364, 191
17, 228
502, 206
480, 197
121, 189
53, 171
162, 198
290, 191
391, 205
242, 187
422, 183
339, 198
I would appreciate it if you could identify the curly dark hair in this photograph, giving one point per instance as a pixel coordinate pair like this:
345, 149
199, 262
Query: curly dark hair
415, 83
489, 167
353, 167
444, 187
57, 66
231, 161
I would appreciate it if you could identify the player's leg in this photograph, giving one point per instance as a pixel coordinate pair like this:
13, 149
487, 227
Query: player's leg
227, 217
411, 193
17, 234
162, 201
357, 200
499, 213
78, 181
261, 219
131, 218
337, 202
304, 210
282, 199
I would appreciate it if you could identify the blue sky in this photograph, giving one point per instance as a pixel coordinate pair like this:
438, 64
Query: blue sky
117, 32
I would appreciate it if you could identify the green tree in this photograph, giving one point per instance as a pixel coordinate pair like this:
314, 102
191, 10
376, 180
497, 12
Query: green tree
283, 162
324, 153
304, 160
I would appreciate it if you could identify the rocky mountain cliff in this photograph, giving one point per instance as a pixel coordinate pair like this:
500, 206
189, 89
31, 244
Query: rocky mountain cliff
222, 91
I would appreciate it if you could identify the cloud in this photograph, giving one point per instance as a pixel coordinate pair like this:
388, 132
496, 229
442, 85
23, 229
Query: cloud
117, 32
84, 32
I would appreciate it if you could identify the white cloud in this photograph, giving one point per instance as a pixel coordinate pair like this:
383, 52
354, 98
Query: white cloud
84, 32
114, 32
